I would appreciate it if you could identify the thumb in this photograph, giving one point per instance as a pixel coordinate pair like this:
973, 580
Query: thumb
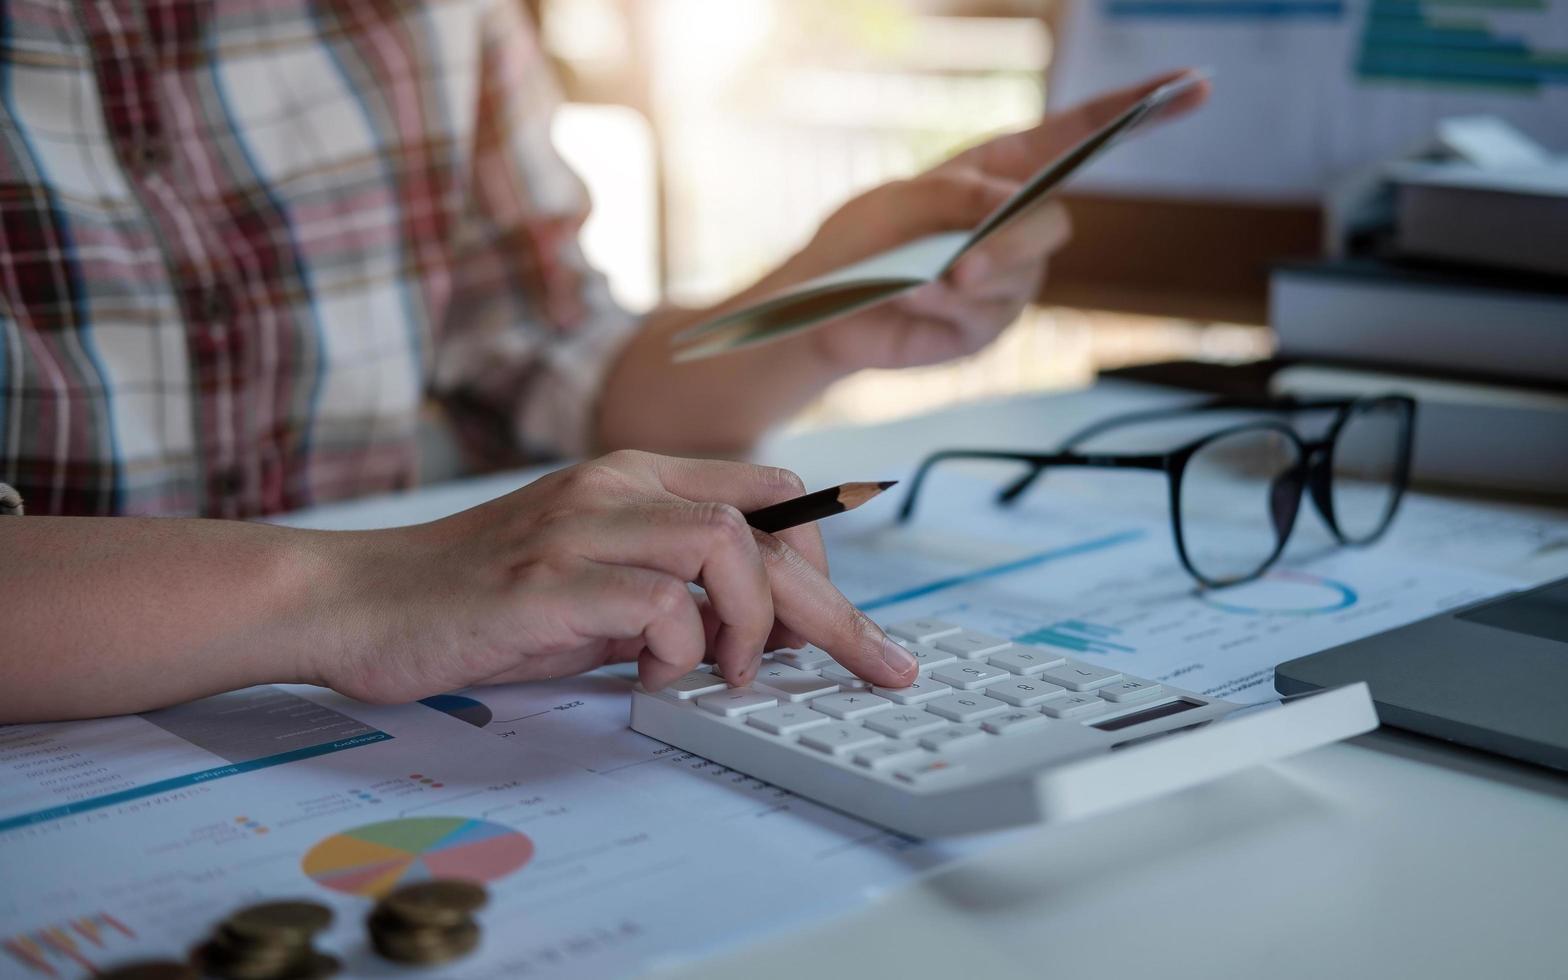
1019, 155
951, 199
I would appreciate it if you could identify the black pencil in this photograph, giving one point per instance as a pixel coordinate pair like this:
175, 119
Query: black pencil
814, 506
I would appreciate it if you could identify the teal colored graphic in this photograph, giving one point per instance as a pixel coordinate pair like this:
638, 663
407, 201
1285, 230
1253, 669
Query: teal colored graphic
1283, 593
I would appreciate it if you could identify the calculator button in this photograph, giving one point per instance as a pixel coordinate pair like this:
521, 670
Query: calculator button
1024, 692
968, 675
838, 739
694, 685
736, 701
964, 706
923, 689
1130, 689
850, 704
886, 755
970, 644
806, 658
935, 770
786, 719
840, 675
904, 722
928, 656
1075, 706
1025, 660
1015, 722
1076, 675
953, 737
791, 684
923, 630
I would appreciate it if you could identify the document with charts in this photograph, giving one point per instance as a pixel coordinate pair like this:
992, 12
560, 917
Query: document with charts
1314, 89
126, 838
1085, 565
604, 851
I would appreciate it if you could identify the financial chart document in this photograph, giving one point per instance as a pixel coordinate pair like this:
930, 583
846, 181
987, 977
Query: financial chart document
1307, 91
1086, 565
605, 852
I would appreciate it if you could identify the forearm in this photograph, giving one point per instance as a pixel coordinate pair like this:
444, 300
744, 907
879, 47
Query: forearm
710, 407
112, 615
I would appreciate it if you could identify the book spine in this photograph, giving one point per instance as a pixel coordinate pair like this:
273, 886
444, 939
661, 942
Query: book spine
1505, 231
1342, 318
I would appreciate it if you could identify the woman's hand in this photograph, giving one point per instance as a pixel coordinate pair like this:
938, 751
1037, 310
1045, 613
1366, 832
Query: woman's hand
654, 404
589, 566
990, 286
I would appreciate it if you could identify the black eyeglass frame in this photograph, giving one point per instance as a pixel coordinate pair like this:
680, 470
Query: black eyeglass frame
1312, 472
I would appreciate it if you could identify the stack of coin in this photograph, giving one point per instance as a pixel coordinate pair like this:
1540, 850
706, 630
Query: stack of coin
271, 941
428, 922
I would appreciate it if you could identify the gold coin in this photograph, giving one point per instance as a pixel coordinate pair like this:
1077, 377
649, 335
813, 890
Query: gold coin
442, 902
264, 963
269, 920
426, 946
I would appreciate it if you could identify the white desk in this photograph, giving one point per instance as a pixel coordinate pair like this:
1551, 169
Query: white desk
1387, 857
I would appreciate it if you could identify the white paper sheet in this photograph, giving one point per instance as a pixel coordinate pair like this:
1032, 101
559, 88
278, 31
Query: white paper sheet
1086, 565
631, 853
129, 837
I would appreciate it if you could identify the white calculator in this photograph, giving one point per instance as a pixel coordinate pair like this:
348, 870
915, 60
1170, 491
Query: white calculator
992, 734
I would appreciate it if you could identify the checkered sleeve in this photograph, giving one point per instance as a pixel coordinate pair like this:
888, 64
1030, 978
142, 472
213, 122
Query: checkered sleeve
532, 327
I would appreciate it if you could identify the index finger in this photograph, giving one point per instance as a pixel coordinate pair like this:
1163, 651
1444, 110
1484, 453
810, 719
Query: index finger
746, 486
1019, 155
1072, 125
806, 602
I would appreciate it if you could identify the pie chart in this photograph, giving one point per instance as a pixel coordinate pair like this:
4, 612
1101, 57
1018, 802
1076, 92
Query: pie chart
466, 709
373, 859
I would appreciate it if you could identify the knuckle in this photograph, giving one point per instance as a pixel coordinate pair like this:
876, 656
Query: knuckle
776, 552
724, 523
667, 595
781, 478
586, 476
539, 574
624, 459
604, 476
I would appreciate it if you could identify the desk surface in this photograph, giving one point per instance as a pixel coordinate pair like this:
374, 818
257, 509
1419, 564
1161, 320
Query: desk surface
1387, 856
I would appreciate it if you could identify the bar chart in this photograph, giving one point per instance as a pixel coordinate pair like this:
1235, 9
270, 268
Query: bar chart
1475, 44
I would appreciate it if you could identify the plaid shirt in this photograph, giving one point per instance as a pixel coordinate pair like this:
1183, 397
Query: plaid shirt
241, 242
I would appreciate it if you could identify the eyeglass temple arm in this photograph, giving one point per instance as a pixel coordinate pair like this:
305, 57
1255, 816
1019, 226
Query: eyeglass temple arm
1282, 405
1037, 462
1014, 490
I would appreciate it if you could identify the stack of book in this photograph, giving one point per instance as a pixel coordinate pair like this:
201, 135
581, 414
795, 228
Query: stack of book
1471, 278
1451, 285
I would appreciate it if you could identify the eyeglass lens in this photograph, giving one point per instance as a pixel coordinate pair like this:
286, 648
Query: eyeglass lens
1238, 499
1365, 469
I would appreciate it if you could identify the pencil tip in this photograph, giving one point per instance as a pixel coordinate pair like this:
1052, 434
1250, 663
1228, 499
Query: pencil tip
885, 484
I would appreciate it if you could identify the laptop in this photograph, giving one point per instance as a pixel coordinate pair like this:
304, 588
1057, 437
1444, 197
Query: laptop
1492, 676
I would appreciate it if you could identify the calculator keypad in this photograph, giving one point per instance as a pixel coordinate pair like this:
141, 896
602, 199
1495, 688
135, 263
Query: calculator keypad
974, 691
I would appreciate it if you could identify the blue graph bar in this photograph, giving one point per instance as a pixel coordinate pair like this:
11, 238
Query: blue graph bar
1227, 9
1418, 41
1077, 636
1006, 568
188, 780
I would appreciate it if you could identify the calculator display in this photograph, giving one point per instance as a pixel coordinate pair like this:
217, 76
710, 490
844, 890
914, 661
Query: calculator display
1151, 714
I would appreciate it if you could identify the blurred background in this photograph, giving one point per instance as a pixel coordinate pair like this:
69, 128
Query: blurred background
714, 135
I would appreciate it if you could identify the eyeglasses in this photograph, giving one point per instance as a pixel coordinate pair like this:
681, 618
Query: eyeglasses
1235, 493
